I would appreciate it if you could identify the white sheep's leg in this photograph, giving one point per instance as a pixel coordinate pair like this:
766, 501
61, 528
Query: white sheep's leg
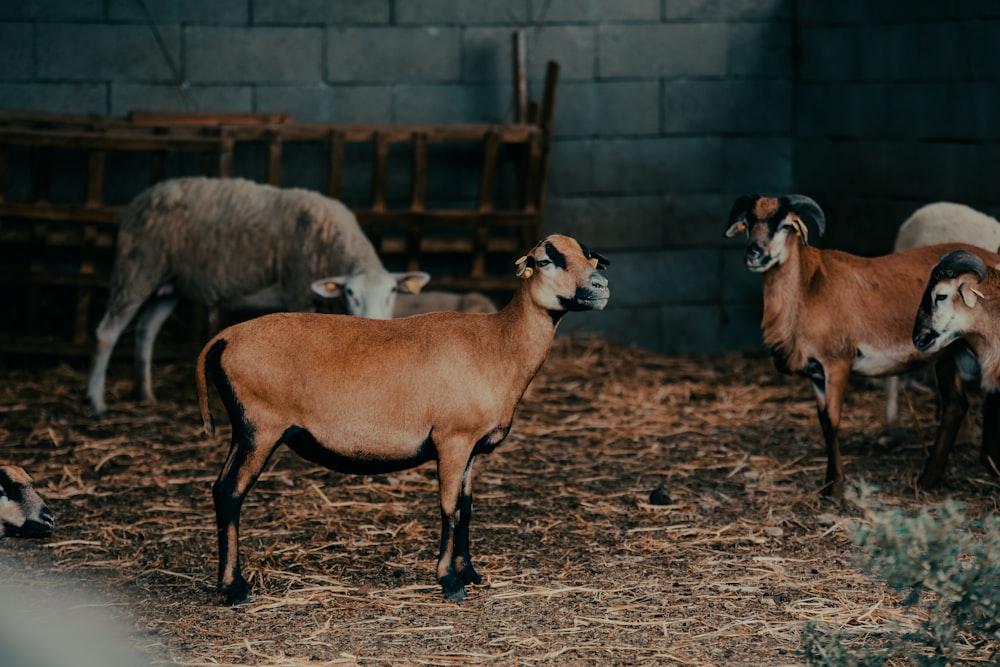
147, 327
892, 400
451, 479
108, 331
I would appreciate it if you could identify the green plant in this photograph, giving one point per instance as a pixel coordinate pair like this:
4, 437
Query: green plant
945, 566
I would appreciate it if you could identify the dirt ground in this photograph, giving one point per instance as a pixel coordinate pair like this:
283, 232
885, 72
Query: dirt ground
644, 510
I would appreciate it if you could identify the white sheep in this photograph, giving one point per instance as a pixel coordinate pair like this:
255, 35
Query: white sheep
220, 242
435, 302
940, 222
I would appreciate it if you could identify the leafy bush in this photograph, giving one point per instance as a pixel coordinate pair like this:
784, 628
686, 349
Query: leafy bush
945, 567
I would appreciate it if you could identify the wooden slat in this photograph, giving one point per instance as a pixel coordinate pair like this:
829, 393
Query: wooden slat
338, 145
418, 182
395, 245
446, 218
392, 133
200, 119
227, 147
519, 54
274, 159
95, 178
59, 212
380, 172
111, 140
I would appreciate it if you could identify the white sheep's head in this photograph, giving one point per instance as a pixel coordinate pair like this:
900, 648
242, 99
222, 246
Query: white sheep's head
768, 223
562, 275
371, 294
946, 309
23, 513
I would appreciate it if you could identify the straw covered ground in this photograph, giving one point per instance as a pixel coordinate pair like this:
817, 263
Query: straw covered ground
644, 510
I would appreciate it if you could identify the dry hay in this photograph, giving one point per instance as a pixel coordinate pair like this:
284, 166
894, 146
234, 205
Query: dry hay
580, 566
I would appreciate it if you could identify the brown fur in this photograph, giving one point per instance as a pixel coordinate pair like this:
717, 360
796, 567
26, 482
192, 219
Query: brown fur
766, 207
386, 394
810, 299
829, 313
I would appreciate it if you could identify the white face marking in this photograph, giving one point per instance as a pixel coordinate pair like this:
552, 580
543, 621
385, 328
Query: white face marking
950, 317
777, 251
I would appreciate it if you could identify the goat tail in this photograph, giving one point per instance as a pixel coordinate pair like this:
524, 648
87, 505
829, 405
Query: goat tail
202, 381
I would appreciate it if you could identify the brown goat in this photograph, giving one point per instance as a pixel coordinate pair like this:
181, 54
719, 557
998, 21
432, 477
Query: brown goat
829, 313
365, 396
961, 303
23, 513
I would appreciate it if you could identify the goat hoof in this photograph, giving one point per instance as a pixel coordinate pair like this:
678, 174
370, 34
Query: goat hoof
453, 588
470, 576
929, 482
236, 592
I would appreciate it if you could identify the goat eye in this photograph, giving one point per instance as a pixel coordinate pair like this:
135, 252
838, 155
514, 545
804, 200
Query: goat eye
543, 262
349, 292
940, 297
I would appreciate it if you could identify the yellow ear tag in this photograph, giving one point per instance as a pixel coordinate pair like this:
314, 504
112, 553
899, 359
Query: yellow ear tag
593, 262
413, 285
977, 292
742, 227
330, 286
523, 272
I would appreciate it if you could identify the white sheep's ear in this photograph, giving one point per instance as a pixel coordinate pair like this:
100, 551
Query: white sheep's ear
330, 288
737, 227
411, 282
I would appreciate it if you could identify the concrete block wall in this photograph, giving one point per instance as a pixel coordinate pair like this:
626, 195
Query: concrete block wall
667, 109
896, 106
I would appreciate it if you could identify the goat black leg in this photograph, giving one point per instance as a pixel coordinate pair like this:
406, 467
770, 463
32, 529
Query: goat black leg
241, 470
830, 385
451, 479
989, 454
462, 559
954, 405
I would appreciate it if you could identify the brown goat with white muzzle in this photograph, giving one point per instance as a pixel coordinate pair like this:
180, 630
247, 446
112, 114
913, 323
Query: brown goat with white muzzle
23, 513
961, 303
369, 396
828, 314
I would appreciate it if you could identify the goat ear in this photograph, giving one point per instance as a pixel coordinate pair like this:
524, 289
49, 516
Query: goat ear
808, 210
800, 226
737, 223
411, 282
524, 266
969, 294
329, 288
599, 261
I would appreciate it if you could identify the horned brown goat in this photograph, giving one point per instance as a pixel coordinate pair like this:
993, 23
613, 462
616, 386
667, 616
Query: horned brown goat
828, 314
365, 396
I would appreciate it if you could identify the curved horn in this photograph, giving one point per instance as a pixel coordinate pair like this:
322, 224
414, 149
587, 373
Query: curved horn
958, 262
807, 209
738, 215
741, 207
